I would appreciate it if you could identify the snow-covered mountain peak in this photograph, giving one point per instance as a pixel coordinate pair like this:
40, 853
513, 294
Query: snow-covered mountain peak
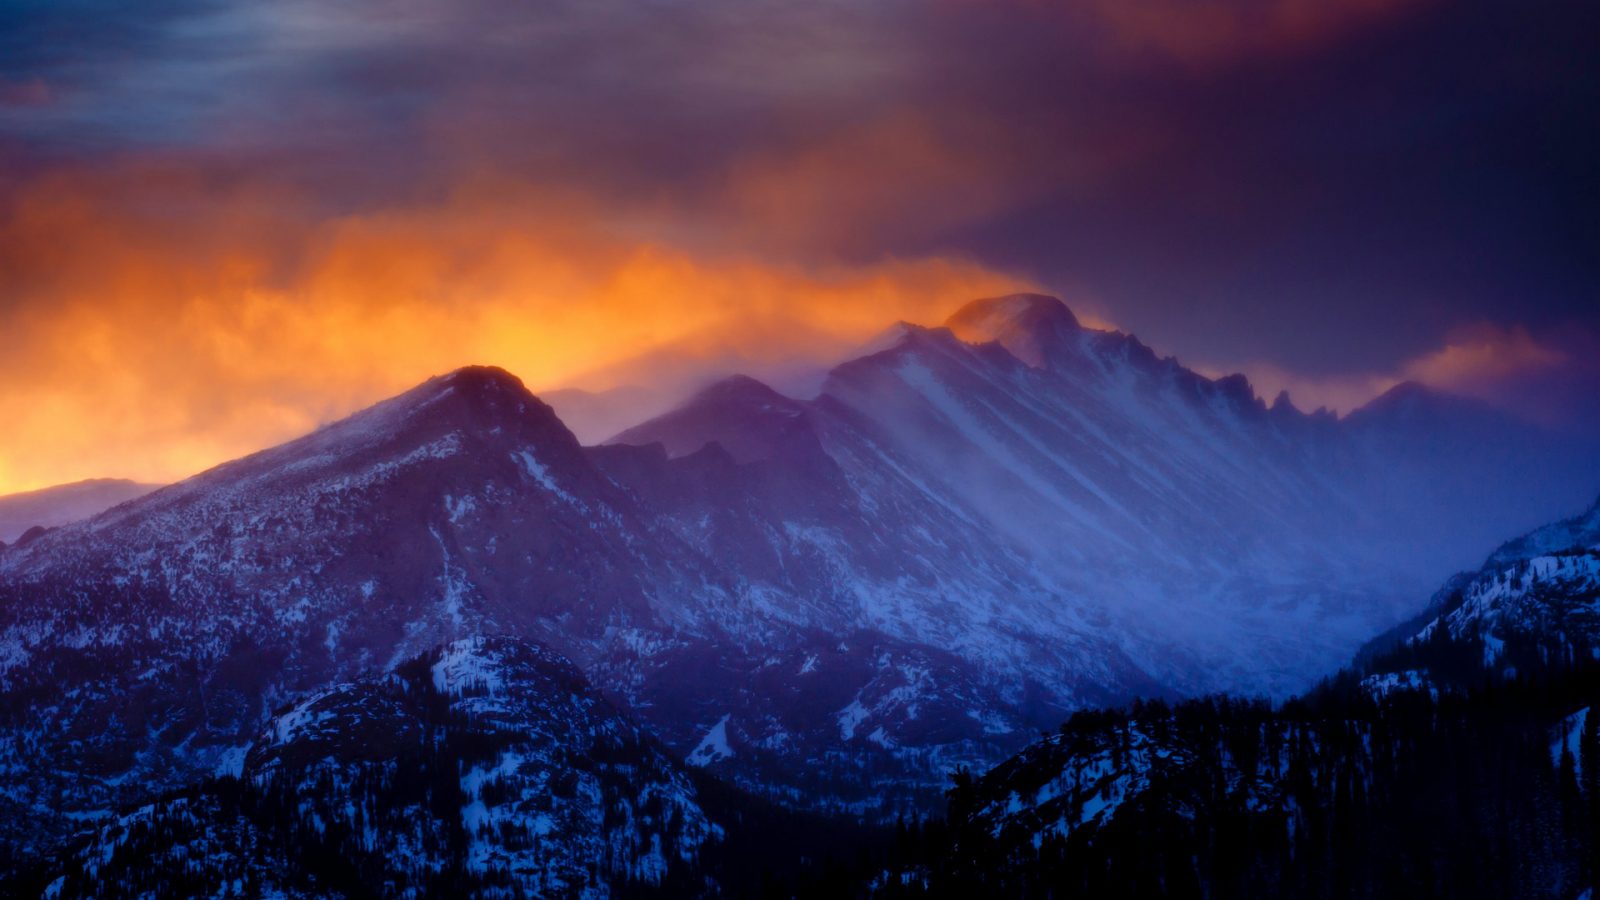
1236, 389
991, 317
478, 397
1034, 327
464, 420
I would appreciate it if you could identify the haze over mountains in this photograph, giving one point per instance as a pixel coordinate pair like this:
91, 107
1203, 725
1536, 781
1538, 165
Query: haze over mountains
1460, 757
59, 505
970, 531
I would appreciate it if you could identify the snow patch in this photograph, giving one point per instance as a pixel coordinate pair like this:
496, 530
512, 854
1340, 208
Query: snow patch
541, 474
462, 666
712, 747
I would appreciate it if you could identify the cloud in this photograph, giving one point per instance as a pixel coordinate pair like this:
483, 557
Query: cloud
1338, 393
139, 340
1484, 355
219, 198
1552, 379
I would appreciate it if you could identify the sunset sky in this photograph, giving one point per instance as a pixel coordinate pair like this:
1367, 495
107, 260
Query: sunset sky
224, 223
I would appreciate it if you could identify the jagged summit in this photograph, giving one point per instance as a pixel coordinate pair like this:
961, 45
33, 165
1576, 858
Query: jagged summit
457, 419
1032, 326
1237, 389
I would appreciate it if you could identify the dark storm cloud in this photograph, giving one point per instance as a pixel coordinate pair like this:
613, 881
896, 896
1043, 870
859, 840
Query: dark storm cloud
1343, 207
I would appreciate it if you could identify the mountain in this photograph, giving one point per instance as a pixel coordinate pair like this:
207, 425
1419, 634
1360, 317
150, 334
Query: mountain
1111, 481
828, 602
1458, 468
1463, 761
1535, 600
65, 503
140, 650
486, 767
1336, 795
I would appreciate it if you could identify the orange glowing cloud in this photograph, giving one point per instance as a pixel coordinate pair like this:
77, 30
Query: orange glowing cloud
1474, 358
142, 341
1482, 360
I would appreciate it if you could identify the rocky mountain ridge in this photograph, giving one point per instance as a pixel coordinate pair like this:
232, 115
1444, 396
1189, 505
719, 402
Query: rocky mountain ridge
829, 602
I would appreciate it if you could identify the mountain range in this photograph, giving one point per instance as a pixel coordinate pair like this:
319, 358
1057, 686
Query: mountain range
1459, 756
489, 767
828, 601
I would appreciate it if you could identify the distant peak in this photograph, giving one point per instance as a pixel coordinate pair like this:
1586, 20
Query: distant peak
1032, 326
740, 394
736, 387
1410, 396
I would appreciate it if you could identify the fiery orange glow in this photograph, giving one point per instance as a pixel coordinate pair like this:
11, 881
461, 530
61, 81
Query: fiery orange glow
151, 346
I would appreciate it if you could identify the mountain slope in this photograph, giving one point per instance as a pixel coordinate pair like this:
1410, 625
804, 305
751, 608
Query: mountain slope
487, 767
142, 648
1534, 602
1161, 518
1465, 761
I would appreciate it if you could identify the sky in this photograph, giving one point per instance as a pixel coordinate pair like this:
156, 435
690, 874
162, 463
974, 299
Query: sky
223, 223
